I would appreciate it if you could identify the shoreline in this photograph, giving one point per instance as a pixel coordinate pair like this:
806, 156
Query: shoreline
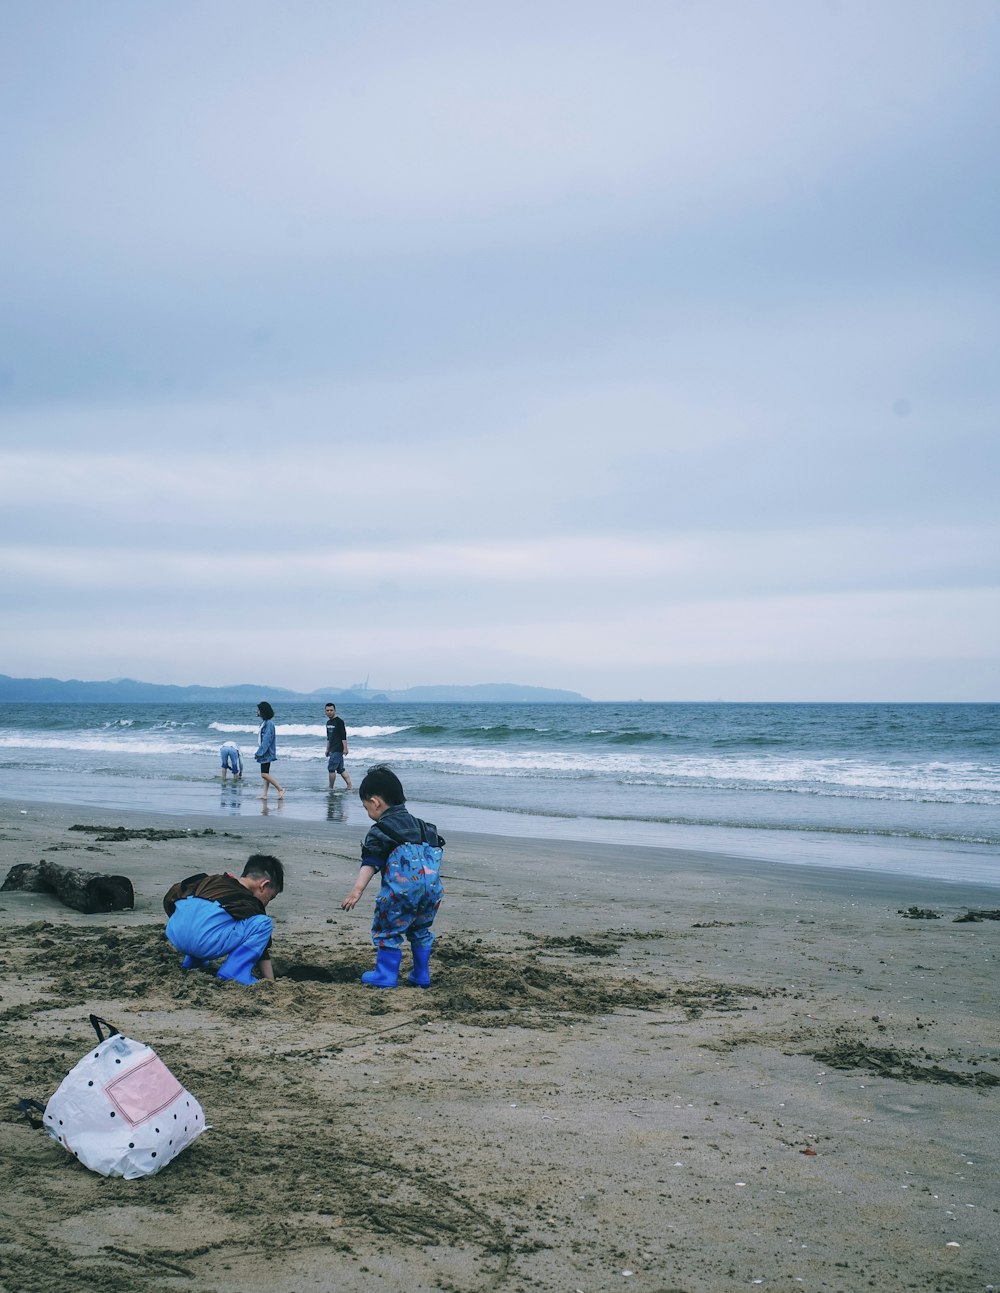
344, 840
782, 1078
902, 858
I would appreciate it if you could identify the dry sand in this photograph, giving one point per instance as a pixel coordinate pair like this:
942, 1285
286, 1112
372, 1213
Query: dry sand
637, 1069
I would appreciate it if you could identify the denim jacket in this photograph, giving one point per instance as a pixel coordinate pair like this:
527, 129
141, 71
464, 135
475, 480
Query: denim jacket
266, 750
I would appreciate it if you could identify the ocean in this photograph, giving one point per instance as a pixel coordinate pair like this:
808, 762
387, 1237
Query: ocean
912, 789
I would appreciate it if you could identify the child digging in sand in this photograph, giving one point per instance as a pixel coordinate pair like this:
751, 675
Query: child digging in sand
212, 916
407, 853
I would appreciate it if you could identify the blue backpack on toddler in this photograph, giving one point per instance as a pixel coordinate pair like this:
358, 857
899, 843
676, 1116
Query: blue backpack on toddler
416, 866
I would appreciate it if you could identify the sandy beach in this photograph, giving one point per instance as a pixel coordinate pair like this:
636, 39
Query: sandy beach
639, 1069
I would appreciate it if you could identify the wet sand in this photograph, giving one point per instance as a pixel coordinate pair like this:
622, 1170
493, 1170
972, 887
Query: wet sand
639, 1069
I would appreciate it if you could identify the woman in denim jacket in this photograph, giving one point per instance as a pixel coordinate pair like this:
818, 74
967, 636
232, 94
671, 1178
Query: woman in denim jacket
266, 749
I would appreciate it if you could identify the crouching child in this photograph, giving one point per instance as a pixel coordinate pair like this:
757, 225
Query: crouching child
223, 916
406, 852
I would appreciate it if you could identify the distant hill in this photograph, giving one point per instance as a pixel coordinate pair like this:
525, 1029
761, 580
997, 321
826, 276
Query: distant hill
55, 691
485, 692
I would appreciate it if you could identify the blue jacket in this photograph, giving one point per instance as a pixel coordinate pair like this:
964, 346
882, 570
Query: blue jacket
266, 750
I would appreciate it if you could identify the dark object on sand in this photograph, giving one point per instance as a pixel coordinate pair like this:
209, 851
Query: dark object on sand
82, 890
122, 834
903, 1066
919, 913
982, 913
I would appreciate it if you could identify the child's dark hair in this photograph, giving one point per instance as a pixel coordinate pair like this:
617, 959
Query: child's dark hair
264, 709
382, 781
262, 866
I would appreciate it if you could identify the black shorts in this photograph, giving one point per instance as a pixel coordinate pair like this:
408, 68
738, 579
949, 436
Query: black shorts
265, 767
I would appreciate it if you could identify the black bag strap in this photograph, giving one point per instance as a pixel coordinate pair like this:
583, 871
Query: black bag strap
398, 839
96, 1022
26, 1106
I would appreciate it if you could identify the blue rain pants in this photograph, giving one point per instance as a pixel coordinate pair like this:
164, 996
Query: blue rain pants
408, 901
205, 931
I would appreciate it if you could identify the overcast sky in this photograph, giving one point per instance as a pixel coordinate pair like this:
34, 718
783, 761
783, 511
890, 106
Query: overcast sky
647, 349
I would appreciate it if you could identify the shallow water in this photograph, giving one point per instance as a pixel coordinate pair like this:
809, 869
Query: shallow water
908, 788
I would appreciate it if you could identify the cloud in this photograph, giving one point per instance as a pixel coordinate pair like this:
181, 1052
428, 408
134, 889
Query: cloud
846, 646
229, 135
591, 575
575, 332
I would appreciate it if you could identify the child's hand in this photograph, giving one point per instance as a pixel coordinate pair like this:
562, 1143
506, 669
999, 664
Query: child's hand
360, 885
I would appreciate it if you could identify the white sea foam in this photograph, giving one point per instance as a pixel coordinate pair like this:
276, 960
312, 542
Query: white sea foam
841, 778
317, 730
787, 772
953, 782
98, 743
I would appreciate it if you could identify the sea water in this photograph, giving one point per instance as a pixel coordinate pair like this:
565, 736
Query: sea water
891, 787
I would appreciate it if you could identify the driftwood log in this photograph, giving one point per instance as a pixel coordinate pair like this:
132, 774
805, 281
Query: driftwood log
82, 890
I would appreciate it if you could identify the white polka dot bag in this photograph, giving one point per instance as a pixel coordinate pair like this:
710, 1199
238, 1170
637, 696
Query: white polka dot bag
121, 1111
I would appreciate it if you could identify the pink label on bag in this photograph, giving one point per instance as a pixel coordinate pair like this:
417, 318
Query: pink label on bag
143, 1090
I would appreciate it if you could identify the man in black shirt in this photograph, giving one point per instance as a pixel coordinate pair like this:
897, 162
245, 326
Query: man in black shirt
336, 746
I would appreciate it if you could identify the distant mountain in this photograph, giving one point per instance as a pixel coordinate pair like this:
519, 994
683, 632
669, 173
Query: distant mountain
44, 691
485, 692
55, 691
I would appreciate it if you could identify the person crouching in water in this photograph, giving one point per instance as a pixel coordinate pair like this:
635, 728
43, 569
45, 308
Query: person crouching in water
212, 916
407, 853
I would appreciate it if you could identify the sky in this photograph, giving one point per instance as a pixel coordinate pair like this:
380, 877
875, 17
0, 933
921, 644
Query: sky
645, 349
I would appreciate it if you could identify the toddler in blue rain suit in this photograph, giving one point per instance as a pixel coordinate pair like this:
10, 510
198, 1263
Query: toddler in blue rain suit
213, 916
407, 853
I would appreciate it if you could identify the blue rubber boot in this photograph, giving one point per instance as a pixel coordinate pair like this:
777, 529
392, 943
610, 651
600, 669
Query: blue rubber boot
420, 975
192, 963
239, 963
386, 972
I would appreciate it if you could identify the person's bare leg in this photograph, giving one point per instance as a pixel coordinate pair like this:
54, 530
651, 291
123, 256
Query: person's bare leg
266, 776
